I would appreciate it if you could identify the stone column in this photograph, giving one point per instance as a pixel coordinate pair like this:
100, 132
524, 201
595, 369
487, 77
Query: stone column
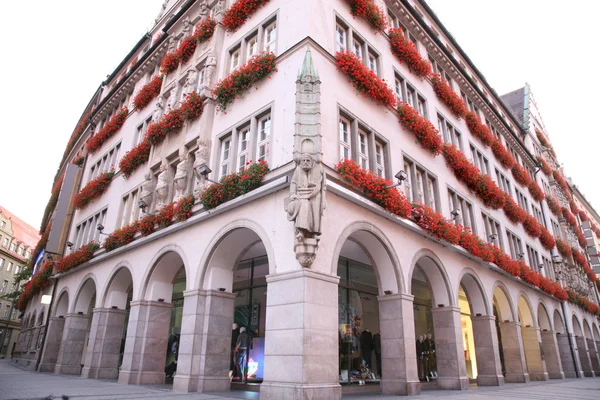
489, 367
450, 355
73, 341
584, 358
598, 355
204, 354
398, 355
301, 337
532, 346
104, 346
51, 349
514, 357
552, 354
566, 357
593, 356
146, 343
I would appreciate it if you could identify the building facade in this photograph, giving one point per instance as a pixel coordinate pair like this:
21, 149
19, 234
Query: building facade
17, 242
336, 280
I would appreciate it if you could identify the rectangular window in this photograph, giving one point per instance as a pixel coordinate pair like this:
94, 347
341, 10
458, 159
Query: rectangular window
270, 35
420, 185
264, 137
340, 38
522, 200
252, 46
4, 286
538, 214
87, 231
449, 133
9, 266
243, 140
480, 160
493, 233
2, 261
345, 143
130, 210
225, 153
534, 258
461, 210
556, 229
380, 158
373, 63
516, 248
503, 182
12, 247
548, 268
5, 242
363, 149
357, 47
399, 86
234, 60
6, 311
141, 131
106, 163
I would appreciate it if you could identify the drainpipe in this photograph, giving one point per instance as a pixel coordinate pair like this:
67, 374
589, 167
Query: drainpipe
41, 350
571, 344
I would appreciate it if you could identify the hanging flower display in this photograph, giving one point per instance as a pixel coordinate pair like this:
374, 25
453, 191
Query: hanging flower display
535, 191
205, 29
502, 154
94, 189
544, 142
583, 216
183, 208
562, 183
445, 93
135, 158
520, 175
563, 248
553, 205
148, 92
84, 254
191, 107
367, 10
513, 211
545, 167
242, 79
573, 206
546, 238
423, 130
364, 80
569, 217
406, 52
532, 227
121, 236
478, 129
187, 48
108, 130
170, 62
239, 12
170, 124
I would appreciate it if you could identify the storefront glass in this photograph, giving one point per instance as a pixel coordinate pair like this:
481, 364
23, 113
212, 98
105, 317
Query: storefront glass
175, 327
467, 334
424, 331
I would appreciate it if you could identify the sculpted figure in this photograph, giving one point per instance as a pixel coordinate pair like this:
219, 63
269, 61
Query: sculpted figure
172, 44
190, 83
203, 10
187, 27
162, 188
159, 109
202, 157
211, 66
181, 176
148, 188
172, 102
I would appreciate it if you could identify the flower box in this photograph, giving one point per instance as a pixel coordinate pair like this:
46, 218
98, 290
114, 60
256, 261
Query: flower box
479, 130
84, 254
423, 130
121, 236
545, 167
503, 155
94, 189
445, 93
108, 130
367, 10
135, 158
406, 52
239, 12
148, 92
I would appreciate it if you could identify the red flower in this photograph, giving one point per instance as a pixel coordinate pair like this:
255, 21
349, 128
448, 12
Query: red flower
563, 248
521, 175
183, 208
135, 158
562, 183
148, 92
544, 166
367, 10
83, 254
535, 191
205, 29
544, 143
364, 80
236, 15
532, 227
546, 239
108, 130
122, 236
191, 108
503, 155
94, 189
406, 51
553, 205
445, 93
435, 223
170, 124
170, 62
480, 130
513, 211
423, 130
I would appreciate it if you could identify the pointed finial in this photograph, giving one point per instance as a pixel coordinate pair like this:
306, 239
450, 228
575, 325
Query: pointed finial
308, 69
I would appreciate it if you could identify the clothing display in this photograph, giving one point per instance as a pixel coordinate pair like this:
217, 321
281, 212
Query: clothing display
366, 345
377, 348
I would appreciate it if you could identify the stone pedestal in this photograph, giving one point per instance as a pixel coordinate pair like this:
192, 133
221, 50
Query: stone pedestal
532, 345
451, 368
566, 356
398, 355
552, 355
104, 346
489, 368
146, 343
73, 342
584, 358
54, 335
514, 357
593, 356
204, 352
301, 343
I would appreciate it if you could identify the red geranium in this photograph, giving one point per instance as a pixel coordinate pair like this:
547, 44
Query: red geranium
135, 158
148, 92
546, 238
205, 29
573, 207
513, 211
187, 48
367, 10
423, 130
445, 93
480, 130
521, 175
553, 205
563, 248
532, 227
535, 191
583, 216
183, 208
502, 154
83, 254
121, 236
191, 108
562, 183
545, 167
364, 80
170, 62
94, 189
108, 130
435, 223
236, 15
170, 124
407, 52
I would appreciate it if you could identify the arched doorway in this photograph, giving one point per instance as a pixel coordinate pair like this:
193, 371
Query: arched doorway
564, 346
54, 334
437, 322
549, 344
479, 334
591, 347
76, 330
596, 339
536, 365
582, 352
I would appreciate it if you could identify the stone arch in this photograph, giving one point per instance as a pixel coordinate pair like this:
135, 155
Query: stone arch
117, 287
158, 280
436, 275
587, 332
85, 294
577, 331
475, 292
62, 305
559, 324
379, 249
582, 346
503, 302
217, 261
595, 332
526, 314
544, 319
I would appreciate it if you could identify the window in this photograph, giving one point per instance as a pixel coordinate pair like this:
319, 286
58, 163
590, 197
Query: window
363, 149
514, 242
357, 47
9, 266
129, 208
437, 69
87, 231
4, 286
5, 242
243, 139
373, 63
225, 152
420, 185
270, 34
340, 38
503, 182
141, 131
20, 250
480, 160
264, 138
3, 224
556, 229
493, 234
522, 200
546, 187
538, 214
513, 153
262, 38
106, 163
406, 93
380, 158
464, 208
17, 269
252, 46
2, 260
14, 314
548, 267
449, 133
6, 311
12, 246
345, 144
534, 258
348, 39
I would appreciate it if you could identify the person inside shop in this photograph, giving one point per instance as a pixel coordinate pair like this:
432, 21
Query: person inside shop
366, 345
235, 332
241, 352
377, 348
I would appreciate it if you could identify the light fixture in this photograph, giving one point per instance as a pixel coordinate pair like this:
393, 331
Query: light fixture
204, 171
521, 255
456, 218
387, 292
221, 289
401, 176
541, 265
100, 228
46, 299
69, 244
492, 238
143, 206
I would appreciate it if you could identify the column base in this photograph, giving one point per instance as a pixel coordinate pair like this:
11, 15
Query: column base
558, 375
400, 387
100, 373
589, 374
187, 384
67, 369
539, 376
291, 391
141, 378
490, 380
445, 382
517, 378
46, 367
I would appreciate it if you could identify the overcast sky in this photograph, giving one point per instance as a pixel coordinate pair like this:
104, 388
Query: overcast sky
56, 54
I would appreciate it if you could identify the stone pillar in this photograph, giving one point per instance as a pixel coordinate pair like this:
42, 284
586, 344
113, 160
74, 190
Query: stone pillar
593, 356
301, 337
73, 341
489, 368
146, 343
532, 347
398, 354
450, 355
598, 355
552, 355
566, 356
204, 353
514, 357
584, 358
104, 345
51, 349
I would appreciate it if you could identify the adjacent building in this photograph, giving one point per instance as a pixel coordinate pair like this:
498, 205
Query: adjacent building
337, 278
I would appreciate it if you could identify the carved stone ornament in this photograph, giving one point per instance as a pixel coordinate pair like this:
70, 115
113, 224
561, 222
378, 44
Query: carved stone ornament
187, 27
211, 66
148, 188
172, 101
190, 83
218, 10
162, 187
202, 157
172, 44
181, 176
159, 109
203, 10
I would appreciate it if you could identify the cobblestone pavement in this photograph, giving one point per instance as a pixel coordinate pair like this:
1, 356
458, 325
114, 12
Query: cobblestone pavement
18, 384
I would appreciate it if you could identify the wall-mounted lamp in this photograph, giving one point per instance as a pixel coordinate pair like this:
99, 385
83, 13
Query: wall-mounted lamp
143, 206
387, 292
100, 228
401, 176
440, 305
204, 171
70, 245
221, 289
492, 238
521, 255
161, 300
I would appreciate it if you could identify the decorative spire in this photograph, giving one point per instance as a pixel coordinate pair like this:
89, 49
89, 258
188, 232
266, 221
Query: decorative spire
308, 72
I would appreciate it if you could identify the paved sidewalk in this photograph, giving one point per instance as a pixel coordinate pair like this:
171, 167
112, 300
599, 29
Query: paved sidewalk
26, 385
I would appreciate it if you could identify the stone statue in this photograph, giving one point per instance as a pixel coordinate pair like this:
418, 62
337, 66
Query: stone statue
162, 187
191, 81
202, 157
148, 188
218, 9
187, 27
203, 10
181, 175
172, 44
172, 102
211, 66
159, 109
162, 11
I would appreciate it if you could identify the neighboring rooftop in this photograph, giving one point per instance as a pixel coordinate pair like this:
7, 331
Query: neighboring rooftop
21, 231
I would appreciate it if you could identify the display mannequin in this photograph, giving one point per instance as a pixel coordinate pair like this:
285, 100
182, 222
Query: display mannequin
432, 356
420, 358
366, 345
377, 348
235, 332
241, 351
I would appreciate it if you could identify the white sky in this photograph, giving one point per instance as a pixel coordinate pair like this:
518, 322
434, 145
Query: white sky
56, 54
